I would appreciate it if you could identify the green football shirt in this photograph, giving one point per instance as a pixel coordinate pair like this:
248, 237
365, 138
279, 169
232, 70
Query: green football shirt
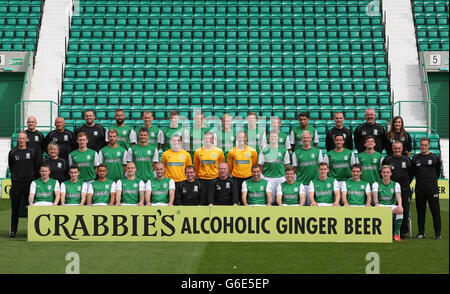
44, 191
160, 190
274, 161
324, 190
126, 135
114, 159
256, 191
296, 136
340, 163
154, 135
371, 164
73, 191
386, 193
357, 192
290, 193
226, 141
168, 132
130, 190
101, 191
143, 157
86, 161
307, 163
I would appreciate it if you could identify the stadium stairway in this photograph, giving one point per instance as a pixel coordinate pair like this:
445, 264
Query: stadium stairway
5, 146
445, 160
50, 58
405, 78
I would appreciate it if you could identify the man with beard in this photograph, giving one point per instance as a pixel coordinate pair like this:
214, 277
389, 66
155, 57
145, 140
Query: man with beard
126, 135
96, 133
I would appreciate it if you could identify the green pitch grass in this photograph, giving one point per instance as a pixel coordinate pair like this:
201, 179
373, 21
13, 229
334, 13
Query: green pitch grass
411, 256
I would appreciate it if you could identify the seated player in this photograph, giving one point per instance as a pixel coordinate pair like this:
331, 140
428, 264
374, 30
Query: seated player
324, 190
130, 191
290, 192
44, 191
387, 193
354, 191
160, 191
74, 190
256, 191
101, 192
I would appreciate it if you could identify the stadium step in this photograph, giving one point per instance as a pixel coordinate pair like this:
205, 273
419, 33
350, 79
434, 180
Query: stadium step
445, 160
5, 146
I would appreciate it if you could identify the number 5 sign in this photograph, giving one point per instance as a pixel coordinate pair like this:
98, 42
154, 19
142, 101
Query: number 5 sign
435, 59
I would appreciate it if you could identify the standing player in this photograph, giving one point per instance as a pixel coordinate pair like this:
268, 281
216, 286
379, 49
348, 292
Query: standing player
175, 129
85, 158
355, 192
305, 161
283, 138
370, 128
59, 167
340, 160
241, 159
297, 132
427, 169
175, 160
96, 133
160, 191
338, 129
207, 159
402, 173
291, 192
24, 166
254, 133
191, 191
144, 156
73, 191
388, 193
44, 191
256, 191
197, 132
324, 191
65, 139
126, 135
370, 161
114, 157
155, 135
101, 192
226, 137
130, 191
273, 160
224, 189
35, 138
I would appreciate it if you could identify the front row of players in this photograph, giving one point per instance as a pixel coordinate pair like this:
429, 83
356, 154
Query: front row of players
162, 191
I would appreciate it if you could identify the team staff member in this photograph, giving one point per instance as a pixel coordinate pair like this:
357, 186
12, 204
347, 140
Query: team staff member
388, 193
160, 191
207, 159
59, 167
291, 192
85, 158
65, 139
44, 191
96, 133
101, 192
114, 157
176, 160
256, 191
130, 191
224, 189
324, 190
241, 159
126, 135
73, 191
35, 138
355, 192
427, 169
23, 165
398, 133
402, 173
370, 128
191, 191
338, 129
273, 160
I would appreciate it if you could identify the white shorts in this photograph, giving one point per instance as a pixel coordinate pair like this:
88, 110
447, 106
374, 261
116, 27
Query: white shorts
72, 204
128, 204
43, 203
341, 183
357, 205
324, 204
291, 204
100, 204
257, 205
392, 206
160, 204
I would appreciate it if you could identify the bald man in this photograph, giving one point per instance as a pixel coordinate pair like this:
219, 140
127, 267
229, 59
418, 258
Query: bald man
63, 137
35, 137
370, 128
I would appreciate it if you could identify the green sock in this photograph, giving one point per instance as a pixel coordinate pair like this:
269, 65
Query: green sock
397, 225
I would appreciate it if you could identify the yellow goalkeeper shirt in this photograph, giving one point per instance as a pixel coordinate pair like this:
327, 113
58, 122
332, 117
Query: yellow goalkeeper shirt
240, 162
207, 162
175, 163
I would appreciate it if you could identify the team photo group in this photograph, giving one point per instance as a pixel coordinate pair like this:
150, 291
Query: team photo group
230, 164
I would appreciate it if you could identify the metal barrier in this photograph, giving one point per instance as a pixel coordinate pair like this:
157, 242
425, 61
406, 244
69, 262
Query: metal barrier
21, 108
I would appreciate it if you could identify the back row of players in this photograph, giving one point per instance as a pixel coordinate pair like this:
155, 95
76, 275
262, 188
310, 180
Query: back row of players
226, 169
